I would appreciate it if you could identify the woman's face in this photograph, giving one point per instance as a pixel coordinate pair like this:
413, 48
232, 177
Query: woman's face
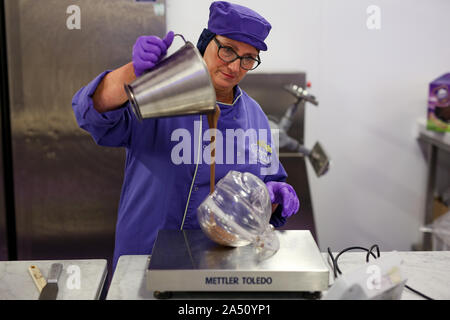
225, 76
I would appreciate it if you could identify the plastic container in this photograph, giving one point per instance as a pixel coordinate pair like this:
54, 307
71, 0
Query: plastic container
238, 212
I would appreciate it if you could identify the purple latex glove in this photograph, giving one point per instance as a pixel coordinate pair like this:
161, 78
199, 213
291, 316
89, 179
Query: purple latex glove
148, 51
283, 193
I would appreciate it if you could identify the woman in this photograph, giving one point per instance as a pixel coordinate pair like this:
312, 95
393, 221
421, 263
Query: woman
158, 193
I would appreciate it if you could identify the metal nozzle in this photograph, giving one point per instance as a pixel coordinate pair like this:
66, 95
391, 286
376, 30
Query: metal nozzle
300, 93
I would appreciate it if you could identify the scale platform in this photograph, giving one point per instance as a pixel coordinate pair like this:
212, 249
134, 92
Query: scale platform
188, 261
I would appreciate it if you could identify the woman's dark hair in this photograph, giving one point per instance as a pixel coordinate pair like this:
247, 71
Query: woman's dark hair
204, 40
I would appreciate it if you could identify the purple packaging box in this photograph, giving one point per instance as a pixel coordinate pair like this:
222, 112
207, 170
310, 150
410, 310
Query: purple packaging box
439, 104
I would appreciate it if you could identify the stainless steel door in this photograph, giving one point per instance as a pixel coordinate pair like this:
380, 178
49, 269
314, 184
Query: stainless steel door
3, 234
67, 188
4, 119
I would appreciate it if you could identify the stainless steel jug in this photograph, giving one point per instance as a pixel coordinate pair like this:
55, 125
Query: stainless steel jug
179, 85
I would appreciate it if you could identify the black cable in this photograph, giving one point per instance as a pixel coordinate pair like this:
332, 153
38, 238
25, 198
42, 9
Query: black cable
348, 249
375, 246
419, 293
333, 261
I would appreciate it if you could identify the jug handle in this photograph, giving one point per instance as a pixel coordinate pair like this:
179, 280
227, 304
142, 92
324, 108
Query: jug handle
182, 37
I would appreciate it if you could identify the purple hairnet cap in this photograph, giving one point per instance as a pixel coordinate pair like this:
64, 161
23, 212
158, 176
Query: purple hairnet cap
238, 23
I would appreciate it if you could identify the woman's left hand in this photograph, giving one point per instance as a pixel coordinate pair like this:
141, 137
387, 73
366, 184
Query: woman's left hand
283, 193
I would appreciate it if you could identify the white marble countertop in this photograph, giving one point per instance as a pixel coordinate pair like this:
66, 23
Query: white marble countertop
426, 271
79, 280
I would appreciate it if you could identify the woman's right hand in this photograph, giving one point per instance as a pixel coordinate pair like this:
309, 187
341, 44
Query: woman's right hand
148, 51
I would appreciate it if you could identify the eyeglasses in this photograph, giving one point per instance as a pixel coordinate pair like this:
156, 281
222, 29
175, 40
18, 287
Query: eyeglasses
227, 54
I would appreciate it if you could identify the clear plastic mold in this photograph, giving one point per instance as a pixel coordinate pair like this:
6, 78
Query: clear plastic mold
238, 212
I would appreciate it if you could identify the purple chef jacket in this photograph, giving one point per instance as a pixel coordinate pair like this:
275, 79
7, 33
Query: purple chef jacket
157, 190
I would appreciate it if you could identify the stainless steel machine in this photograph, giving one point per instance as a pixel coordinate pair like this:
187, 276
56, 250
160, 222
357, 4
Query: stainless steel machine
268, 89
188, 261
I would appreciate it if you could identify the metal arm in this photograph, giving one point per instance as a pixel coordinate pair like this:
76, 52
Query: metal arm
317, 156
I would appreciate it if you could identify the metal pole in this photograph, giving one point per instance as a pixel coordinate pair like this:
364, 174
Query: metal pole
431, 179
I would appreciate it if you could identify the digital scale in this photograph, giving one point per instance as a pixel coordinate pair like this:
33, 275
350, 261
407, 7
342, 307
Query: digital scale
188, 261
